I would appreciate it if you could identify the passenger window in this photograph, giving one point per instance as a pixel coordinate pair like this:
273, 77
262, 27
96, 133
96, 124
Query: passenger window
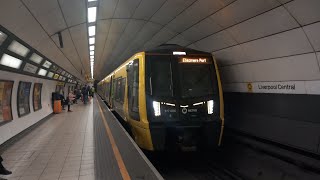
133, 89
122, 89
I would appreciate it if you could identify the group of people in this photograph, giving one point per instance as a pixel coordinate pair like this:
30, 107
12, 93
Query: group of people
86, 93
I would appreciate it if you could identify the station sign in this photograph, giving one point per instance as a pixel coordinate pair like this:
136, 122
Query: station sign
280, 87
194, 60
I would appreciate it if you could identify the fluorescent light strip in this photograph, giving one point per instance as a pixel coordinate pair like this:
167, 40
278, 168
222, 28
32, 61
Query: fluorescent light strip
91, 48
91, 40
91, 53
18, 48
10, 61
92, 14
42, 72
92, 30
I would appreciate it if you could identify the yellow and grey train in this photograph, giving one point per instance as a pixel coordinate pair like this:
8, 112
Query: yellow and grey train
169, 96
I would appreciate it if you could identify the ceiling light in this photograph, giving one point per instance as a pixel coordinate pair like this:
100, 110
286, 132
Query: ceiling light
178, 53
42, 72
92, 30
91, 48
50, 74
92, 14
91, 53
10, 61
92, 57
91, 40
47, 64
91, 0
18, 48
91, 60
36, 58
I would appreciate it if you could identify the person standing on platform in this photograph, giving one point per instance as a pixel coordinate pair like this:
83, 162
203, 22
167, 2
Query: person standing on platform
92, 91
84, 92
70, 98
63, 101
3, 170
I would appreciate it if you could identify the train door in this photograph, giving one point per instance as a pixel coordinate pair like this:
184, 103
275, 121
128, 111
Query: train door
133, 89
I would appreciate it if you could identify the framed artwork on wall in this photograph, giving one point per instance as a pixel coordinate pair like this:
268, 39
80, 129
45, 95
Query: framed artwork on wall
23, 98
5, 101
37, 96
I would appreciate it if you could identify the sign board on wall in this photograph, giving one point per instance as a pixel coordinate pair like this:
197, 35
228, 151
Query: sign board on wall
285, 87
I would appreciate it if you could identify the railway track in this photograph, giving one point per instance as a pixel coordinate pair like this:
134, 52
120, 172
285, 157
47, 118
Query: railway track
235, 160
190, 166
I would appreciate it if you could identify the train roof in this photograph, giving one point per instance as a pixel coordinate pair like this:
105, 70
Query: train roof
169, 48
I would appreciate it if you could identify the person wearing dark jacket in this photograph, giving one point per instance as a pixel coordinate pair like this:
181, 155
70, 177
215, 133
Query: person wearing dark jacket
3, 170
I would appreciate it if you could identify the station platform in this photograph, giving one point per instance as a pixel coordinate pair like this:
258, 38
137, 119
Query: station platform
86, 144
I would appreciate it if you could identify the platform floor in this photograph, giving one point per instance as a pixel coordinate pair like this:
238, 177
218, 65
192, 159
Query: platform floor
76, 146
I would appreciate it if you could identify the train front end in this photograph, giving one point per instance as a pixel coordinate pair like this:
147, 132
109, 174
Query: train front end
184, 100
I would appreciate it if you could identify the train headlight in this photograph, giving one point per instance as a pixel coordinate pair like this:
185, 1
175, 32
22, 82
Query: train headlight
210, 106
156, 108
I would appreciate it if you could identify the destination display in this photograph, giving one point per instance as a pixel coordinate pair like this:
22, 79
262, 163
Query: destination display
37, 96
194, 60
5, 100
23, 98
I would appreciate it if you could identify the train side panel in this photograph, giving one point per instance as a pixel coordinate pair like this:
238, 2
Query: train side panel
140, 127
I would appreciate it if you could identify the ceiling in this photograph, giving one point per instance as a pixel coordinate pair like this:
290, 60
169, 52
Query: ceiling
230, 29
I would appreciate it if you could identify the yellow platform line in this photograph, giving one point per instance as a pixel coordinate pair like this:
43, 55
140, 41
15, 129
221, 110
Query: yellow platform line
121, 165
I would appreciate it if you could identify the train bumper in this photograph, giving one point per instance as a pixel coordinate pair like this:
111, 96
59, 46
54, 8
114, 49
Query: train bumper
194, 135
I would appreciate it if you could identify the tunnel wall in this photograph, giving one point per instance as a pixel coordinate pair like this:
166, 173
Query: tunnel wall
12, 128
292, 120
270, 72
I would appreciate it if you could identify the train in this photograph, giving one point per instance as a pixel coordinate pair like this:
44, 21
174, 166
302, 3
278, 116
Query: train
169, 97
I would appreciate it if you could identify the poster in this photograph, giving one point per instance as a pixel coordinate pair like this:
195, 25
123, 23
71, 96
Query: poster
23, 98
37, 96
60, 88
5, 100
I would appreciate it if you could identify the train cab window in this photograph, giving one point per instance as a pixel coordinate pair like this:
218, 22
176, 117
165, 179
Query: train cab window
159, 76
133, 89
196, 80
